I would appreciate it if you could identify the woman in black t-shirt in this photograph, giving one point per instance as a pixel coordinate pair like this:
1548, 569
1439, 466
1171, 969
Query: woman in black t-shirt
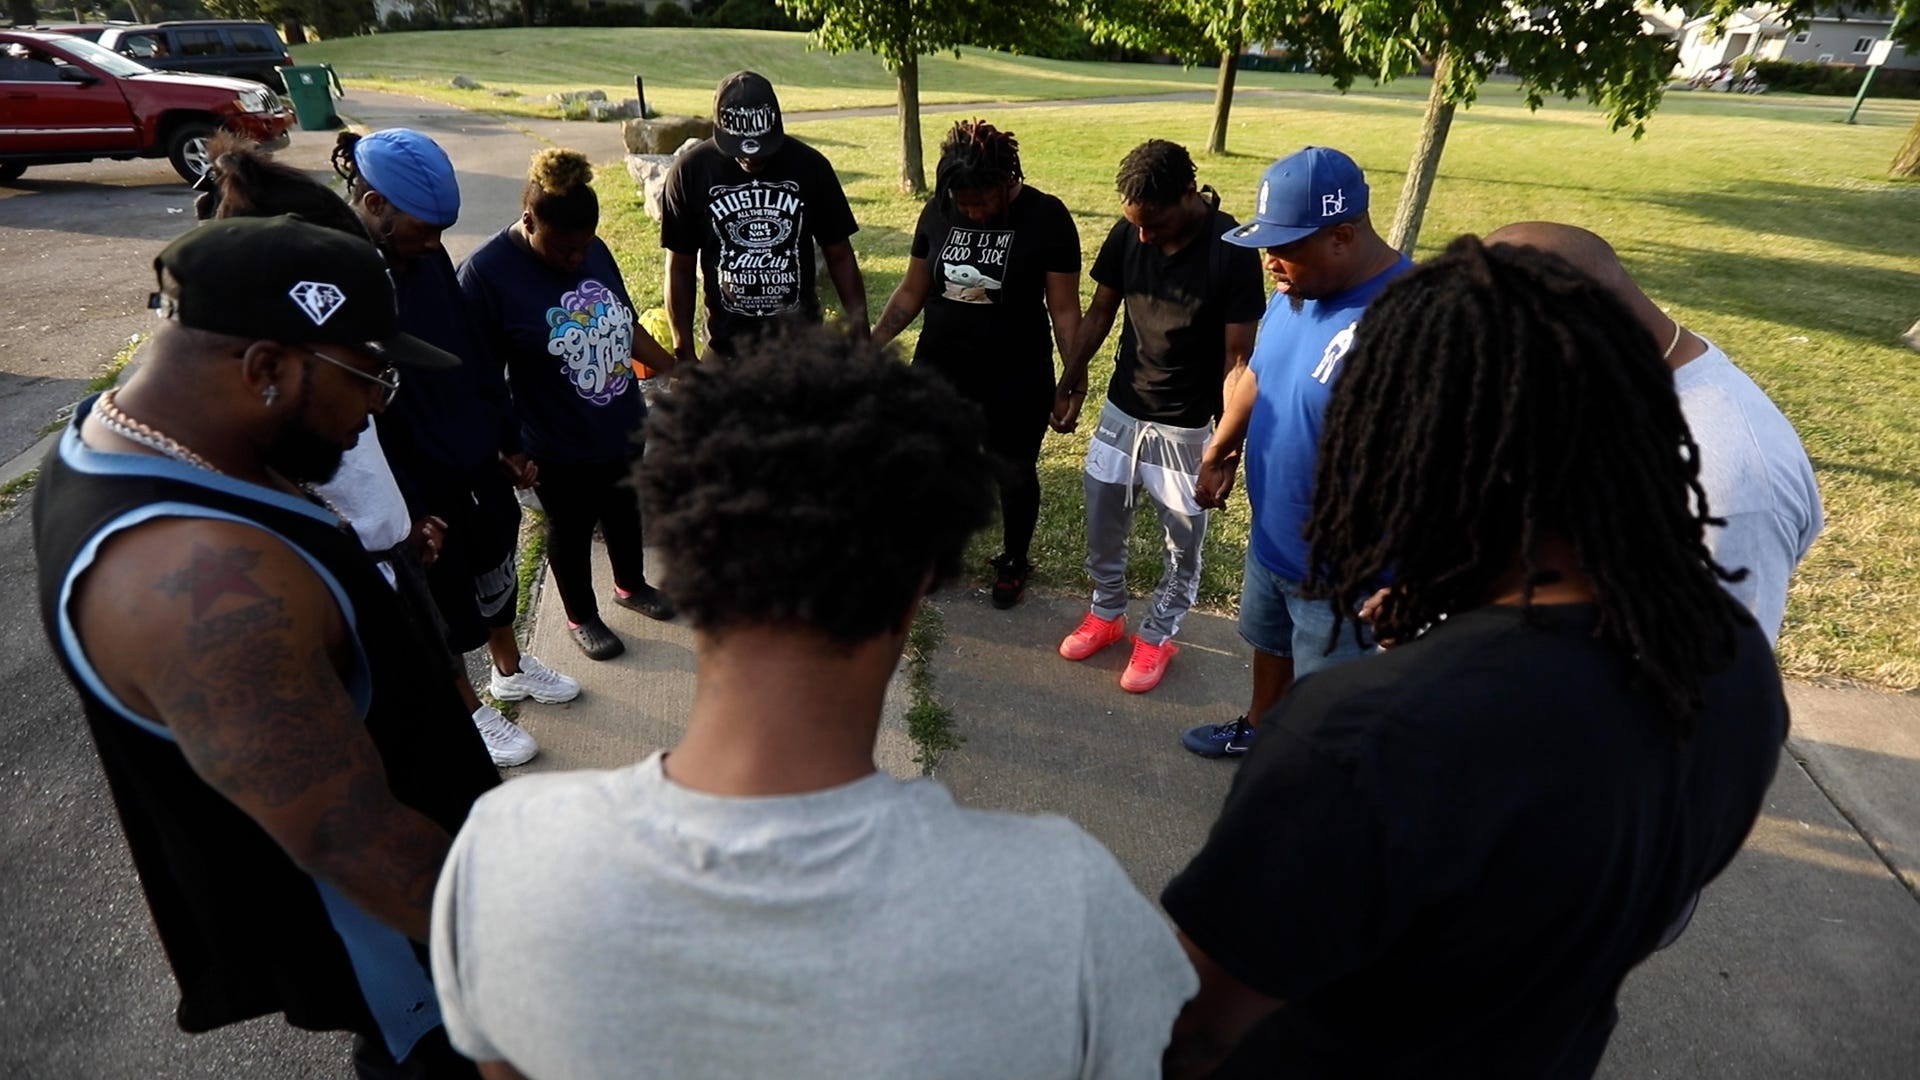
996, 268
552, 303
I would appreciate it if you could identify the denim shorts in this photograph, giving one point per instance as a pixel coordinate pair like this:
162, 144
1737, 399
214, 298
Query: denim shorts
1276, 619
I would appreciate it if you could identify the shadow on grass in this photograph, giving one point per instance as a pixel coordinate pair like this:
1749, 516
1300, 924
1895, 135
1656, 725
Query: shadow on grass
1851, 217
1869, 471
1807, 294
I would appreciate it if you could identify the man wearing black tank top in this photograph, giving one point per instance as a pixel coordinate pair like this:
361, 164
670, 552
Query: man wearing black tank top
287, 782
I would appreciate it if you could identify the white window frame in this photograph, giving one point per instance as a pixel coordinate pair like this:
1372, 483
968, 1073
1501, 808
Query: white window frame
1802, 37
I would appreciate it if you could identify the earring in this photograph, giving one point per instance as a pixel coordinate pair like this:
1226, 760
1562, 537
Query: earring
270, 394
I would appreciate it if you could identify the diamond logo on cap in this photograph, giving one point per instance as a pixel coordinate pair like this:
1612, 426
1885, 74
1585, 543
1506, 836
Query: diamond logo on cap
318, 299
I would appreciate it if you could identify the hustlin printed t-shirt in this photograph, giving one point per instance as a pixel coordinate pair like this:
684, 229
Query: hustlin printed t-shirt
755, 233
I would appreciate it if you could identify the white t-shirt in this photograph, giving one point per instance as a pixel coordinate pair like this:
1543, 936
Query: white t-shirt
616, 924
1756, 476
365, 492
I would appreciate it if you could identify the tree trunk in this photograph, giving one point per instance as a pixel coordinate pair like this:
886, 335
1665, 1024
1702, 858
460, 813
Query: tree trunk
134, 7
294, 31
1223, 96
913, 173
22, 12
1907, 161
1426, 161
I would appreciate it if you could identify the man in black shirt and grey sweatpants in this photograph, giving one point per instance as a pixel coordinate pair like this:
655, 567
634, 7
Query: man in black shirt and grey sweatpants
1192, 302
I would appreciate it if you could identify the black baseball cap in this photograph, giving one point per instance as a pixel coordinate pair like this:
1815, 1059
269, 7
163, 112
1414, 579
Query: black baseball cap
746, 117
288, 280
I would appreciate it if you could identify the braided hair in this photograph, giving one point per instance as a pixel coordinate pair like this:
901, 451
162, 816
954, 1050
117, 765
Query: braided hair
976, 156
1155, 173
245, 181
347, 168
1495, 396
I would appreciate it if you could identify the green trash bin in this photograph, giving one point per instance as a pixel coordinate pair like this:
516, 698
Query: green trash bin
312, 88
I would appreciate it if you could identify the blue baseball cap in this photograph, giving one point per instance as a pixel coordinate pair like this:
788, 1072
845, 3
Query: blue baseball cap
1301, 194
412, 172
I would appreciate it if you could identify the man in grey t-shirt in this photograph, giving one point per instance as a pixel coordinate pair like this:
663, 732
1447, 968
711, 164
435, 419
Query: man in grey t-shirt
760, 901
1755, 472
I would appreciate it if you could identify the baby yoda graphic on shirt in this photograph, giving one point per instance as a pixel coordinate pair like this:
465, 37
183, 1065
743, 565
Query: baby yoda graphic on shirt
972, 264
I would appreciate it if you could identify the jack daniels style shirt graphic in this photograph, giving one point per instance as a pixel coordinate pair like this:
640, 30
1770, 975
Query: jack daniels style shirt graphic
755, 233
986, 310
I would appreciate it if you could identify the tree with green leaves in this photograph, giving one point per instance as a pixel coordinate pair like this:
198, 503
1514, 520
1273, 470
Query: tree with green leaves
1197, 32
1597, 49
900, 32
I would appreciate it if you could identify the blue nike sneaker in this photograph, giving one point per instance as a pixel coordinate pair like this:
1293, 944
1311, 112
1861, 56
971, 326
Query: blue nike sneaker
1221, 740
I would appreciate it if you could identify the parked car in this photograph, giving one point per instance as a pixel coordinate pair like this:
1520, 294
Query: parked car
90, 31
67, 99
244, 50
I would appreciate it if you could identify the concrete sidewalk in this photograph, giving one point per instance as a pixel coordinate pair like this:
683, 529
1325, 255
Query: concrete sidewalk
1804, 958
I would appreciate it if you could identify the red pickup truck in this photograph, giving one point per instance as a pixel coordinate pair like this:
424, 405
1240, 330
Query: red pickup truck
64, 99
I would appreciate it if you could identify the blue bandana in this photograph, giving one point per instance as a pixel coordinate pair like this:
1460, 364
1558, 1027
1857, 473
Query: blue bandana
412, 172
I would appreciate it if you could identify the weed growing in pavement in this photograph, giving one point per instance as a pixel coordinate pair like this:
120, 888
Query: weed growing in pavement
929, 723
16, 489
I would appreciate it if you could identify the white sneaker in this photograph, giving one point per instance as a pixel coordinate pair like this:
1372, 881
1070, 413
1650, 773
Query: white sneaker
509, 744
534, 680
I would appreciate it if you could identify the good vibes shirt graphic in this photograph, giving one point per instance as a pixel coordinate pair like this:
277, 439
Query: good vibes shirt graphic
591, 332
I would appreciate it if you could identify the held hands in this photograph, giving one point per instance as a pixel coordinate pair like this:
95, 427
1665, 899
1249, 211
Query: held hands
1067, 401
1215, 481
1371, 610
520, 470
428, 536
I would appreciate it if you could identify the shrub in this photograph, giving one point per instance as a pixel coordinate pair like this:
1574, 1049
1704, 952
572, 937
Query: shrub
1800, 77
671, 14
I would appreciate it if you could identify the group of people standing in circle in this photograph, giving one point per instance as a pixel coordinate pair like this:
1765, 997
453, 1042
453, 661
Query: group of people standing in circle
1441, 856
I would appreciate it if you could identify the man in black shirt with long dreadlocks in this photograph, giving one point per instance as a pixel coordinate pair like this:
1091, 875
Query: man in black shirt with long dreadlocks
1458, 850
996, 267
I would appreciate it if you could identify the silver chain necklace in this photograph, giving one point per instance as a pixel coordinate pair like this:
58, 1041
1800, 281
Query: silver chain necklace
116, 420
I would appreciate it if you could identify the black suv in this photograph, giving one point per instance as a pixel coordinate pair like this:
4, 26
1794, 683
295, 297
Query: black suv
243, 50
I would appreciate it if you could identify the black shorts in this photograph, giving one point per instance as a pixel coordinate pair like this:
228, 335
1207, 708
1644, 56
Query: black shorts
475, 581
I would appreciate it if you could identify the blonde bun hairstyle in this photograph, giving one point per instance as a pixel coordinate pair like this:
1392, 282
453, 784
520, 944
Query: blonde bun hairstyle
559, 192
558, 171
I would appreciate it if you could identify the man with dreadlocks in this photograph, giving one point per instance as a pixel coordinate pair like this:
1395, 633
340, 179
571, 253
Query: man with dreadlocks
1192, 302
1754, 470
1006, 260
1327, 264
1458, 849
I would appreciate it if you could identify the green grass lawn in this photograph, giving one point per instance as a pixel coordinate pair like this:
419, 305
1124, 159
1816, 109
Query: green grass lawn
1764, 223
681, 67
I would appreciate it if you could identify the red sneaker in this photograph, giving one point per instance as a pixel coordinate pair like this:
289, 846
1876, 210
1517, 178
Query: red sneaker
1148, 666
1093, 634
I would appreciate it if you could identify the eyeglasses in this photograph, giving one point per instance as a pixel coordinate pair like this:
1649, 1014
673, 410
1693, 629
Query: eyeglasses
387, 378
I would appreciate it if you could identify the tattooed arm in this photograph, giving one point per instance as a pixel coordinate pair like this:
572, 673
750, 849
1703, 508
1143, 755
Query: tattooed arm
904, 305
227, 637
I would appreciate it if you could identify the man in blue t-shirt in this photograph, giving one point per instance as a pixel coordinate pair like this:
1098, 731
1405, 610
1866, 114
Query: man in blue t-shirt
1327, 263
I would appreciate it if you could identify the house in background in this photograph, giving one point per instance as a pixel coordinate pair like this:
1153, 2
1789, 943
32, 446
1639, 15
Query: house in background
1762, 33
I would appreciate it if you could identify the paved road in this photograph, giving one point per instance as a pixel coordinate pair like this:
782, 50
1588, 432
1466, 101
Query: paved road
1804, 961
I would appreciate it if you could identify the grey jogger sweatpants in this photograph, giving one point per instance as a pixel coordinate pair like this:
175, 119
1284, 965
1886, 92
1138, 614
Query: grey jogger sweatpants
1128, 456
